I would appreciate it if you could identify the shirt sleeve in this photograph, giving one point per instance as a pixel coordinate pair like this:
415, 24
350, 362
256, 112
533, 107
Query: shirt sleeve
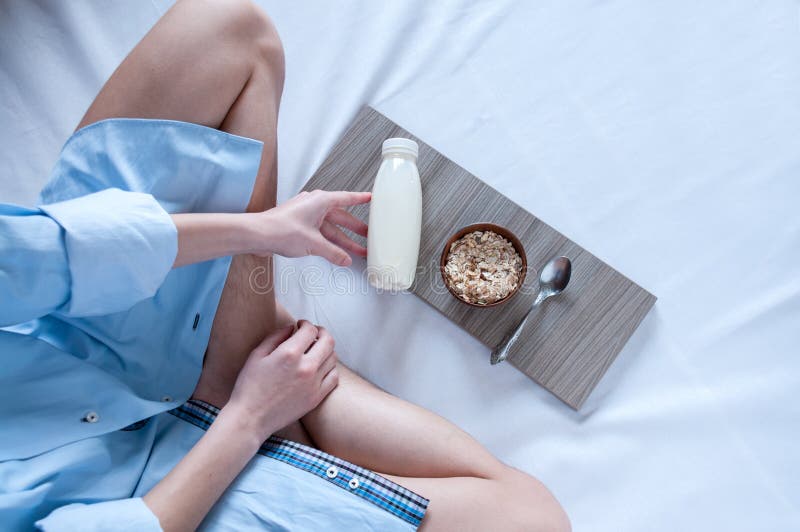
122, 515
93, 255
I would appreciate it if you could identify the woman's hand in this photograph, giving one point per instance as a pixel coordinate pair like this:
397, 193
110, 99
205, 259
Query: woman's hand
286, 376
309, 224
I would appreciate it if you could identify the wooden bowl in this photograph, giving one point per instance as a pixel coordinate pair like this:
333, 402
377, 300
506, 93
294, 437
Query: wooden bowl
502, 231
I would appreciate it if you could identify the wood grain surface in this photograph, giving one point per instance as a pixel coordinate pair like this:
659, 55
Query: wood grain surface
572, 339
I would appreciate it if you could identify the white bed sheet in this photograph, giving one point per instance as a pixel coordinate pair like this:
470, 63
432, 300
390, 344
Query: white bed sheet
662, 136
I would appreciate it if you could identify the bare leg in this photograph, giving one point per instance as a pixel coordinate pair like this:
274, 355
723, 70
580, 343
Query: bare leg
219, 64
469, 488
388, 432
511, 502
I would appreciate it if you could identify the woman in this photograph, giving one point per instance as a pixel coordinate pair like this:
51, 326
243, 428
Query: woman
119, 303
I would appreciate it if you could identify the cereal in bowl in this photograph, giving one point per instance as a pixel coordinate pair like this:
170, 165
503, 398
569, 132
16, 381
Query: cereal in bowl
482, 267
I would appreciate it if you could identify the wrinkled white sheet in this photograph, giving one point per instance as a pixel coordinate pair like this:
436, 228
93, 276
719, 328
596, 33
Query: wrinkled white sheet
662, 136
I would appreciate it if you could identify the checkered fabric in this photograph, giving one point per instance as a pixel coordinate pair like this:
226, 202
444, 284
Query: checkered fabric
361, 482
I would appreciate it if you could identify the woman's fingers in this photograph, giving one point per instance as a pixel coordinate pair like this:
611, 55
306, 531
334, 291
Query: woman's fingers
301, 340
331, 252
338, 238
341, 198
273, 340
327, 364
329, 382
322, 348
323, 357
323, 345
347, 220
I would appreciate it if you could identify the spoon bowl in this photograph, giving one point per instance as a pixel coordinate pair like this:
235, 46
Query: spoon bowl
553, 279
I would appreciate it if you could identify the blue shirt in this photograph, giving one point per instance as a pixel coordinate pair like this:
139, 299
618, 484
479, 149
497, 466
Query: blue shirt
97, 331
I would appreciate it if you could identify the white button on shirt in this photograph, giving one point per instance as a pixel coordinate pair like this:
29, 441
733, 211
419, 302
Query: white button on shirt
354, 483
332, 472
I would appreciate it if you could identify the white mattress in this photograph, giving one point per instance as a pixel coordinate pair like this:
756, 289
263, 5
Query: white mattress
663, 138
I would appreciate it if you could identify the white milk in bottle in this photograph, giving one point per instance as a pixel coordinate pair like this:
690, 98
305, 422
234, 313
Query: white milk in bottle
395, 217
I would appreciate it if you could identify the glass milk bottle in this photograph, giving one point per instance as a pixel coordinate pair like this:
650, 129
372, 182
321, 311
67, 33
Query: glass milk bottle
395, 217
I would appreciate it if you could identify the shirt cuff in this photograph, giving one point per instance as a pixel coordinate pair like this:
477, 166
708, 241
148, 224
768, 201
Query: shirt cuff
123, 515
120, 246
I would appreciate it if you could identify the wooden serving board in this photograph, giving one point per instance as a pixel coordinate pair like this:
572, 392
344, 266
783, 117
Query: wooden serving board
572, 339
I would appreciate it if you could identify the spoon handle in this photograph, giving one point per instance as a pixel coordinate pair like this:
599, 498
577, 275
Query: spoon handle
500, 353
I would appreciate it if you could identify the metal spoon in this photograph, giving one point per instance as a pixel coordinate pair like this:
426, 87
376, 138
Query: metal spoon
552, 281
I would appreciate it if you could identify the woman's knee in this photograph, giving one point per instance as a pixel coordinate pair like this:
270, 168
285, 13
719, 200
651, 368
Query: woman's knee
534, 507
248, 24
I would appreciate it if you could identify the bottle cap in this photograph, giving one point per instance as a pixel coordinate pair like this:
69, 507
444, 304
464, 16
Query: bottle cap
400, 145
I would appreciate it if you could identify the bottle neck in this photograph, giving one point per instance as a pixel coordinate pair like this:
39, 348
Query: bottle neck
400, 155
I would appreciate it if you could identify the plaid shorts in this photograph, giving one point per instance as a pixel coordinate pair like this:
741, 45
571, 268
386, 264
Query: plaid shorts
368, 485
